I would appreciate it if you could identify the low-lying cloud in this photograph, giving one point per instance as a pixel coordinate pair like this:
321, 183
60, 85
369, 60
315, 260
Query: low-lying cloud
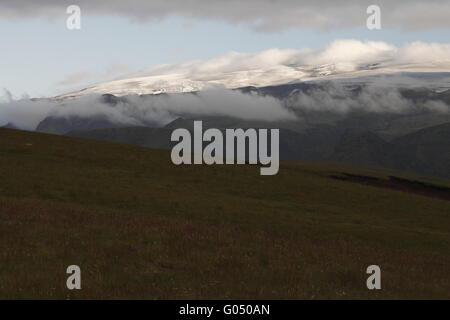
24, 114
158, 110
261, 15
134, 110
338, 98
161, 109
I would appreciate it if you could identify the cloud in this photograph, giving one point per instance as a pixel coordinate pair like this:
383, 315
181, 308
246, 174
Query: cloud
158, 110
25, 114
7, 95
345, 53
188, 26
161, 109
135, 110
115, 69
261, 15
75, 78
338, 98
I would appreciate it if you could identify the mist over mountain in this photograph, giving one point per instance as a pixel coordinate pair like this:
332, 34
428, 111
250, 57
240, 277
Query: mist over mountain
271, 85
357, 122
358, 102
304, 104
327, 121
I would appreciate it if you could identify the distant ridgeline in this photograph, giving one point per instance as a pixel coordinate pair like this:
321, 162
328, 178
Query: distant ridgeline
417, 140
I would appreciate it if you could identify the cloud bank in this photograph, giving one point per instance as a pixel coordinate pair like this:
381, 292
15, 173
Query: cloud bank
337, 98
261, 15
24, 114
347, 54
161, 109
157, 110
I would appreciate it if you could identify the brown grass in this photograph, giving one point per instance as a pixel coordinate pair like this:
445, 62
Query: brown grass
140, 227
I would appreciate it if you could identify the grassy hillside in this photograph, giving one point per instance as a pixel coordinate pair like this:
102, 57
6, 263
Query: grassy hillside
140, 227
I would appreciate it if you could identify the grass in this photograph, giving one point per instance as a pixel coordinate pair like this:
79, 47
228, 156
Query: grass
142, 228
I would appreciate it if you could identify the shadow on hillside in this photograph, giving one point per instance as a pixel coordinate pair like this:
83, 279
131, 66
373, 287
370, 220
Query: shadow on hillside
400, 184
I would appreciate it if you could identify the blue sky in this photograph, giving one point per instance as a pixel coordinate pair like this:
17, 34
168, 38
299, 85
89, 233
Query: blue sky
39, 53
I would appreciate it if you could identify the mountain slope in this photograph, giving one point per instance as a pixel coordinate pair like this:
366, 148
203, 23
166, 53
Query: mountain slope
364, 148
424, 151
178, 82
429, 147
140, 227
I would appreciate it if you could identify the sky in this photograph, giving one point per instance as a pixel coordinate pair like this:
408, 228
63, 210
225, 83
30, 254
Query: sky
41, 57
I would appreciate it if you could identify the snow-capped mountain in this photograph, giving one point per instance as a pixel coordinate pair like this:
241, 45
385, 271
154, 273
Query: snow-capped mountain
341, 60
437, 76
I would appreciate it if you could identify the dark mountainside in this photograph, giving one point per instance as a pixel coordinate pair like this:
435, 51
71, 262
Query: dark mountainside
426, 151
417, 140
9, 125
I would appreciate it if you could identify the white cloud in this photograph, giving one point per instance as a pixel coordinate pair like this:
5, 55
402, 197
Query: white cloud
164, 108
262, 15
161, 109
75, 78
346, 53
337, 98
24, 114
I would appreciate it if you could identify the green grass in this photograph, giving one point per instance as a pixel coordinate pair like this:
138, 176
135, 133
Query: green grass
141, 227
